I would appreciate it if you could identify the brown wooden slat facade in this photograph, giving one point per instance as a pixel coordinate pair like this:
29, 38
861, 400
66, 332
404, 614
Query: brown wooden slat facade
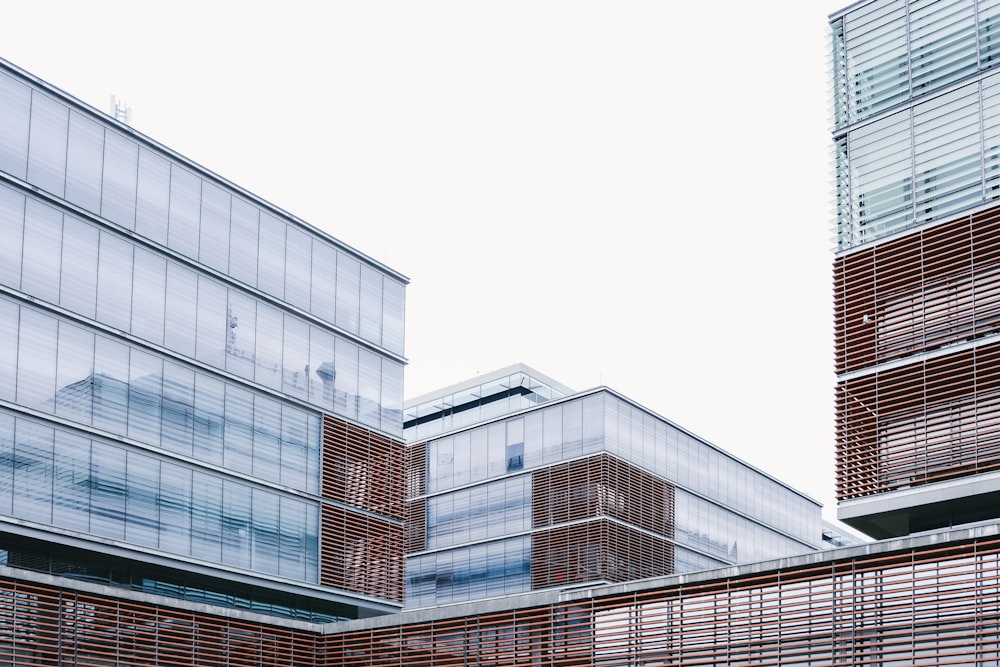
933, 604
919, 606
937, 417
363, 549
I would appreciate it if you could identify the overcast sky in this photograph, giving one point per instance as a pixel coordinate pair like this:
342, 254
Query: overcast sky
634, 194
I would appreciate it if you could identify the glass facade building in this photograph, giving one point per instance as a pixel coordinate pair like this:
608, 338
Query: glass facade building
580, 488
187, 374
917, 286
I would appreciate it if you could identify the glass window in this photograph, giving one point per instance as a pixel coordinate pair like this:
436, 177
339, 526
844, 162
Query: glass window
295, 357
78, 284
145, 391
271, 266
71, 489
177, 415
243, 242
213, 323
143, 513
84, 162
323, 285
108, 492
181, 301
75, 374
291, 539
348, 292
149, 295
42, 251
214, 246
152, 196
322, 367
206, 517
369, 387
209, 404
33, 471
9, 313
270, 324
298, 269
265, 532
47, 148
36, 351
15, 114
241, 334
294, 454
114, 282
236, 524
12, 231
110, 385
238, 435
175, 508
185, 210
371, 304
345, 397
393, 307
121, 165
266, 438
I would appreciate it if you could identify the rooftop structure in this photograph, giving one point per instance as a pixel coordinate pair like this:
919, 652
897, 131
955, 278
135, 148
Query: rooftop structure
552, 488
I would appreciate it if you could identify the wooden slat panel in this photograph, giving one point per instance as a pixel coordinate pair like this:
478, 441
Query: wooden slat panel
361, 553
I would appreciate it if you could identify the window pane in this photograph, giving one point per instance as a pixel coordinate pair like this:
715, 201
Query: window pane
298, 272
141, 506
393, 306
153, 196
175, 508
108, 492
78, 287
348, 292
12, 231
181, 300
47, 148
271, 267
9, 313
212, 323
241, 334
324, 281
266, 438
121, 159
36, 369
371, 305
178, 408
214, 246
71, 492
238, 434
33, 471
74, 374
110, 385
243, 242
84, 162
209, 402
145, 390
206, 517
15, 105
149, 295
185, 209
42, 251
114, 282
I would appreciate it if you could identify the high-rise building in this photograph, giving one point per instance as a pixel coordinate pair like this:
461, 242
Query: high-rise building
200, 394
518, 483
917, 269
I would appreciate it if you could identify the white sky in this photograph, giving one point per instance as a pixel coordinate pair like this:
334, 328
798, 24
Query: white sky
629, 193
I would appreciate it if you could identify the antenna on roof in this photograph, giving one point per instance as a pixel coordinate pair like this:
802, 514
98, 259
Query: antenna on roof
120, 110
